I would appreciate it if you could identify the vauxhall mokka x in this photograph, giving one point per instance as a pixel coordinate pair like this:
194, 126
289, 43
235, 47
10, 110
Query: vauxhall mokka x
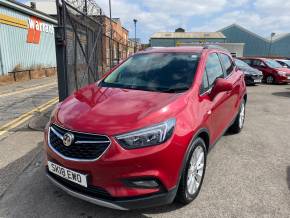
139, 137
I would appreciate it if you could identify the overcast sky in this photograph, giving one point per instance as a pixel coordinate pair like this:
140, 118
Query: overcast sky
260, 16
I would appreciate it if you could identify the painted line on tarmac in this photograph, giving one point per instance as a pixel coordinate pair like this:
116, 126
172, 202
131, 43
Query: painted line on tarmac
26, 116
26, 90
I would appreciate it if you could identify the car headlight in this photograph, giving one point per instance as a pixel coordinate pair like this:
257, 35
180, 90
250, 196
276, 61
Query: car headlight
153, 135
281, 73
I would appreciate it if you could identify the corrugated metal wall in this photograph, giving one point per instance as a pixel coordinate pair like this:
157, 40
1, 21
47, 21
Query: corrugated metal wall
15, 51
163, 42
281, 47
256, 45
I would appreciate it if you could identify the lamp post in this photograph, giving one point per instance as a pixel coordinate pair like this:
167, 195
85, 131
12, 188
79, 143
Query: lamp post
135, 46
111, 36
270, 47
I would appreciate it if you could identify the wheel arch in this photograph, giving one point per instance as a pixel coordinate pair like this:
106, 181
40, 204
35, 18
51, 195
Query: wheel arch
202, 133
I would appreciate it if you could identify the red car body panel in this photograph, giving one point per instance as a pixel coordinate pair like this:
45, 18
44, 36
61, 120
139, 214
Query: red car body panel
113, 111
101, 110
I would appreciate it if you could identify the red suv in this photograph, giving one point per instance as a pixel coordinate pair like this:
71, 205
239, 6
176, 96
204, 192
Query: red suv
140, 136
273, 72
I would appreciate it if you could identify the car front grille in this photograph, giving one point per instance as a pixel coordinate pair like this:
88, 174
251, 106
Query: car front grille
84, 146
257, 76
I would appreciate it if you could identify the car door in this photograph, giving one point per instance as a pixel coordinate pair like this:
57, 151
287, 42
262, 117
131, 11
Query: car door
235, 79
217, 111
260, 65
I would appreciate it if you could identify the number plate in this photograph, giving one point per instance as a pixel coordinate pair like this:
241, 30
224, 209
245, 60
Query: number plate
70, 175
257, 80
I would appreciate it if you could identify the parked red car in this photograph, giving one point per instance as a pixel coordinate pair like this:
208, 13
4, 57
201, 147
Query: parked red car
140, 136
273, 72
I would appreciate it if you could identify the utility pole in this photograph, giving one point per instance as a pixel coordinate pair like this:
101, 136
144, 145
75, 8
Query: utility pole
111, 36
135, 46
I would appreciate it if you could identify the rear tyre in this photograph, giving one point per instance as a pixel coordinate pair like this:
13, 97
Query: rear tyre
193, 173
238, 125
270, 80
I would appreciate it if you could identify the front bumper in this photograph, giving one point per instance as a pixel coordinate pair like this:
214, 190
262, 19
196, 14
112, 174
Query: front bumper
117, 166
157, 199
282, 79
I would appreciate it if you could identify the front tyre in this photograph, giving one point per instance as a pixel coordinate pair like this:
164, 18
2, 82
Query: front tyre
270, 80
193, 173
238, 125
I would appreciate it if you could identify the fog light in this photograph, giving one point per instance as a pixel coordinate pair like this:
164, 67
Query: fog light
146, 183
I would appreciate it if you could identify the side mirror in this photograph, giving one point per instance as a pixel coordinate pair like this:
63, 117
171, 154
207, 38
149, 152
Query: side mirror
221, 85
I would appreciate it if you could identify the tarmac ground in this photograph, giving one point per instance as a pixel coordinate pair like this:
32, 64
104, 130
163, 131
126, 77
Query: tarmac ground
248, 174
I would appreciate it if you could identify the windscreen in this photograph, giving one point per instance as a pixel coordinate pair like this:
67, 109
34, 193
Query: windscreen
273, 64
287, 62
164, 72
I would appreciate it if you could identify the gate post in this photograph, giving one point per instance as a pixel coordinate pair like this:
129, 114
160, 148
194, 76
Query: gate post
60, 45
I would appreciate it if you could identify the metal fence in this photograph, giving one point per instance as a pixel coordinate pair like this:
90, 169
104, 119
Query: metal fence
81, 51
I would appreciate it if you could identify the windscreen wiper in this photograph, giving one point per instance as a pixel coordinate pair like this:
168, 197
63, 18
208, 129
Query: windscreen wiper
175, 90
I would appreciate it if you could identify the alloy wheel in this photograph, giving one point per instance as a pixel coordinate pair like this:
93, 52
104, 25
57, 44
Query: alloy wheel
195, 170
242, 115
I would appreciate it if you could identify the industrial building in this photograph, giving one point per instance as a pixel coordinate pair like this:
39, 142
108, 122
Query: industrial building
278, 45
119, 40
182, 38
26, 38
235, 38
169, 39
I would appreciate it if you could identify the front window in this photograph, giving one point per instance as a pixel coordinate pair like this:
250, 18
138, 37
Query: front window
258, 63
273, 64
213, 68
227, 63
164, 72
